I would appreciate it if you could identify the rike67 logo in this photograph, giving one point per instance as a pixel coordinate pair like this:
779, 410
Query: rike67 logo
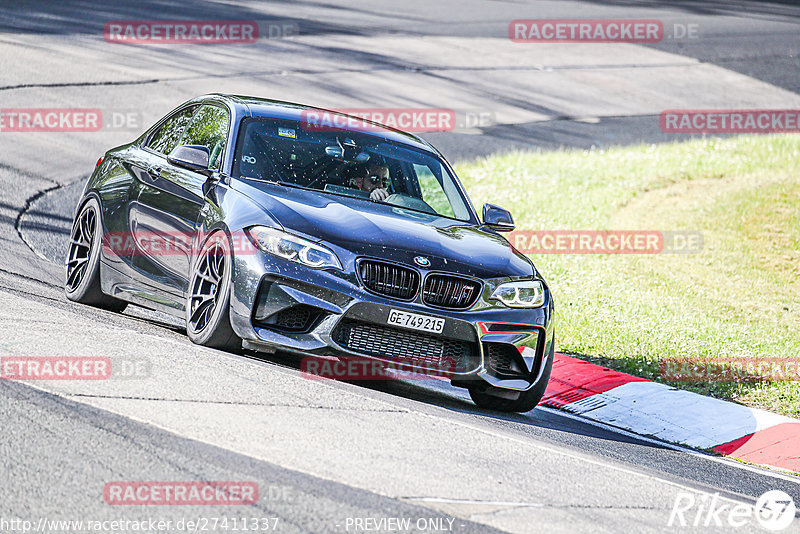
774, 511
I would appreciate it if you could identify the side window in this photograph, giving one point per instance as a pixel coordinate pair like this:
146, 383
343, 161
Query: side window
167, 136
209, 128
432, 192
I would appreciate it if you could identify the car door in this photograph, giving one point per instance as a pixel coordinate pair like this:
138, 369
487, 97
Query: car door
168, 207
145, 164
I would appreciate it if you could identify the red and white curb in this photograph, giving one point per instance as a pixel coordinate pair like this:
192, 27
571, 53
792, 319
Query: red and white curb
677, 416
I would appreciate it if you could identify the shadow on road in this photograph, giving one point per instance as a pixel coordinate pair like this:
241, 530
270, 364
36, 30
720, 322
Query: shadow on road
83, 16
441, 394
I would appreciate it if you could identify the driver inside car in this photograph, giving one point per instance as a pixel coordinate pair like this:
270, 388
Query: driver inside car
374, 181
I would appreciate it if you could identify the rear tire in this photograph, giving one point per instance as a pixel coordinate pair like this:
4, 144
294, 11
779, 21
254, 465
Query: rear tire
527, 400
82, 265
208, 321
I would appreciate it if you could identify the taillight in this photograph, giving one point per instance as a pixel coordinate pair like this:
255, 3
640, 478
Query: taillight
99, 161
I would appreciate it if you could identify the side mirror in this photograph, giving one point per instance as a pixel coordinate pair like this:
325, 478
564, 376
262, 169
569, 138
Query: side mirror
336, 152
497, 218
192, 157
346, 153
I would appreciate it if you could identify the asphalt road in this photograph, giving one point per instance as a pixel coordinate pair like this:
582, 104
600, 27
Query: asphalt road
333, 453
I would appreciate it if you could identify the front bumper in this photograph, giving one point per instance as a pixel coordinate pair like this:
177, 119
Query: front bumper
279, 305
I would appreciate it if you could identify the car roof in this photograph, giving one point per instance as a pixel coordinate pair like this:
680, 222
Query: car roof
249, 106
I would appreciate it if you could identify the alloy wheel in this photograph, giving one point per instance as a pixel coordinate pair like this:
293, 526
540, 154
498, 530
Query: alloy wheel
207, 279
80, 247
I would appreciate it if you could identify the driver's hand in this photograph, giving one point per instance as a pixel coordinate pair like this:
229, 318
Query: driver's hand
379, 194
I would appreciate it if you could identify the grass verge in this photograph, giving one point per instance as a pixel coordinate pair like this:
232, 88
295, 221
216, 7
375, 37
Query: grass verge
739, 297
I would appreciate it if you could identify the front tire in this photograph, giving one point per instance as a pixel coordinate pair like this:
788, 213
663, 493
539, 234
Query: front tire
82, 265
527, 400
208, 320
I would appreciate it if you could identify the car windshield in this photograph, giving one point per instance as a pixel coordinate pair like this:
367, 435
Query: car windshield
354, 164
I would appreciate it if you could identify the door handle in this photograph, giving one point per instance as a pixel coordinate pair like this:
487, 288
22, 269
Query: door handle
154, 172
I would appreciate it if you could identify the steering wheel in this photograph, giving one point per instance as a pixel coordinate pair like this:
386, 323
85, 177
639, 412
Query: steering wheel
407, 201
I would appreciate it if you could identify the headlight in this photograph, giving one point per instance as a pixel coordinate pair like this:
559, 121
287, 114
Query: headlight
521, 294
292, 248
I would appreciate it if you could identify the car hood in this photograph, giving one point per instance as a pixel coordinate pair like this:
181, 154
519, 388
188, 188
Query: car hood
366, 228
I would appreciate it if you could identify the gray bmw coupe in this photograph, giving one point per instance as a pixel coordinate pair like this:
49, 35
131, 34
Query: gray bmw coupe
266, 229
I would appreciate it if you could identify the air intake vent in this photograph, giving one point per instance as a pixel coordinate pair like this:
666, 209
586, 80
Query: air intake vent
502, 357
416, 349
295, 319
388, 279
447, 291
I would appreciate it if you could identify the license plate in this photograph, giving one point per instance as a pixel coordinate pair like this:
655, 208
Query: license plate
415, 321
